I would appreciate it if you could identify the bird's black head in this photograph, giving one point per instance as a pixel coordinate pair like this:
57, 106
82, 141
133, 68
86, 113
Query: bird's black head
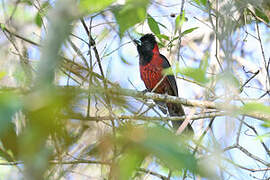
145, 47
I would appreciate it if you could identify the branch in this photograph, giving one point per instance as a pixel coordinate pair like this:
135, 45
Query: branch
4, 29
246, 152
146, 171
60, 162
146, 118
224, 107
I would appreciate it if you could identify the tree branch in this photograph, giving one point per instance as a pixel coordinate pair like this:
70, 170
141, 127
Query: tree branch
146, 118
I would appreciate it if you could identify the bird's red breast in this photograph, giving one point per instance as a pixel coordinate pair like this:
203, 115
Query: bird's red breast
151, 73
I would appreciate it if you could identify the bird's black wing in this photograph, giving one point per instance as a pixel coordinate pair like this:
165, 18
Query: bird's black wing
171, 78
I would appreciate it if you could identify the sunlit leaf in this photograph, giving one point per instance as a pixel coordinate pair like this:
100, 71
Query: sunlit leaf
91, 6
188, 31
204, 2
128, 163
2, 26
195, 73
170, 44
161, 45
45, 5
28, 2
255, 107
162, 25
265, 124
153, 25
163, 144
125, 61
38, 20
2, 74
41, 13
263, 136
179, 20
162, 36
197, 1
133, 12
201, 2
261, 15
136, 143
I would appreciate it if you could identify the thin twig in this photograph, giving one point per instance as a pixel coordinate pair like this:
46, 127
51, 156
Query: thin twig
180, 29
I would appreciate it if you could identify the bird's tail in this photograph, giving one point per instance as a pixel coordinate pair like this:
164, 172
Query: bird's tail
177, 110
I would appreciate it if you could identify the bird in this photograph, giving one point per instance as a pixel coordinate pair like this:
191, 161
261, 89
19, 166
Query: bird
152, 65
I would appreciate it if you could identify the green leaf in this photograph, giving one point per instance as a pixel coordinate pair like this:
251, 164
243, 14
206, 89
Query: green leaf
201, 2
165, 27
159, 142
153, 25
197, 2
161, 45
2, 74
38, 19
91, 6
2, 26
261, 15
179, 20
204, 2
45, 6
162, 36
168, 71
133, 12
189, 31
28, 2
165, 145
195, 73
255, 107
9, 105
41, 13
204, 62
129, 162
175, 38
137, 143
263, 136
125, 61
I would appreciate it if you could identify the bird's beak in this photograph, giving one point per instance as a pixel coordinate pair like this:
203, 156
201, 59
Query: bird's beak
137, 42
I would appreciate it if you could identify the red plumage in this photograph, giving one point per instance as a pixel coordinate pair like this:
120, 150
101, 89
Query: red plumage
152, 64
151, 73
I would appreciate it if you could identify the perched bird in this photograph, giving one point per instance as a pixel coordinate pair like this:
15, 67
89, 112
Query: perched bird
152, 64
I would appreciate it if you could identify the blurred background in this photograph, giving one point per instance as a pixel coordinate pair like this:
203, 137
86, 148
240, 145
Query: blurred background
66, 65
